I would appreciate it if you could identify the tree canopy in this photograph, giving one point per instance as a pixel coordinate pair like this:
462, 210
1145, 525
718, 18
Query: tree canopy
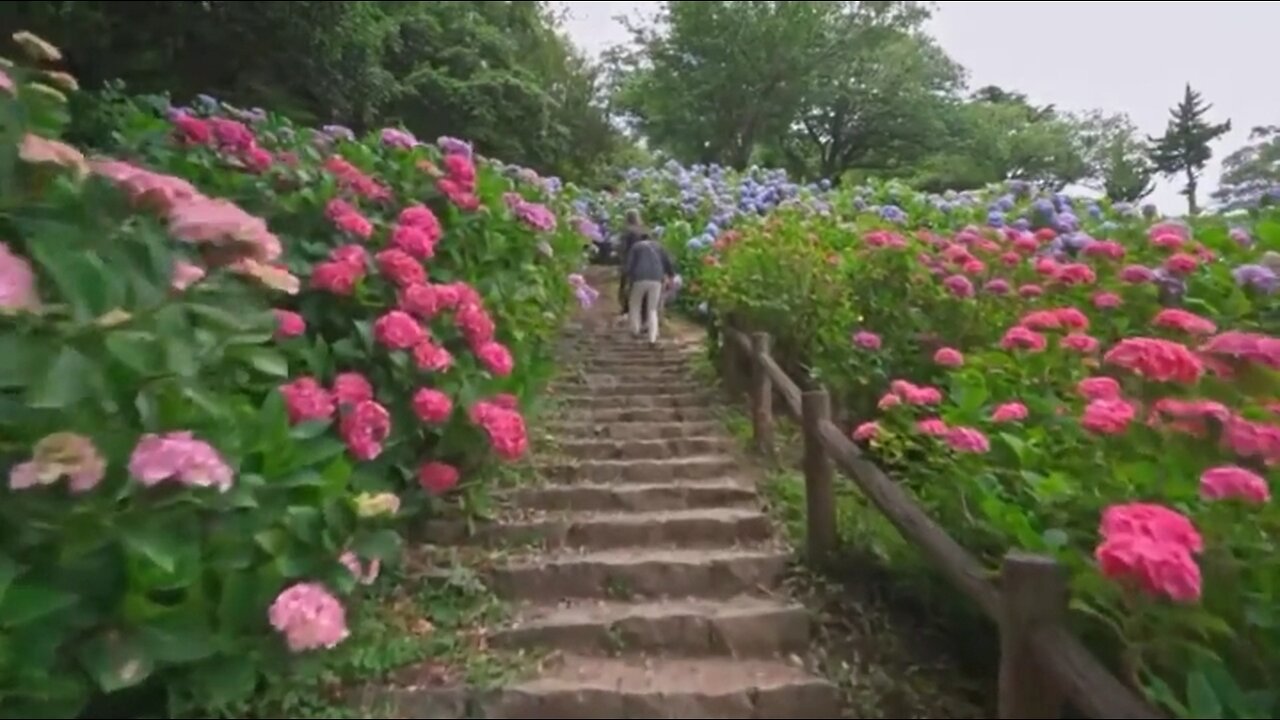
1252, 172
501, 74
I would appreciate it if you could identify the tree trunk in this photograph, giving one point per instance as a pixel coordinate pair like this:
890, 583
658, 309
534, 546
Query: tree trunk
1192, 208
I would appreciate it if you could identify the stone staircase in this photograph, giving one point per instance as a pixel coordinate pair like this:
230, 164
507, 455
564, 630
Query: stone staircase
655, 582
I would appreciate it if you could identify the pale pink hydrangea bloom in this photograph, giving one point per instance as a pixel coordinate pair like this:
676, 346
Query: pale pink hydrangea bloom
308, 617
179, 456
17, 282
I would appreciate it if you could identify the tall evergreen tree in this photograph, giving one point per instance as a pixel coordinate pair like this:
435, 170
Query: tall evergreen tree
1184, 147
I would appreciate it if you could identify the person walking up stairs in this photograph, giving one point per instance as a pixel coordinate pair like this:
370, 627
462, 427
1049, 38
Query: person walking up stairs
649, 271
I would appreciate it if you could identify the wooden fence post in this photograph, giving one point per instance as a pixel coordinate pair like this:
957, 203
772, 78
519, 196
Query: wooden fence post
729, 369
761, 394
1033, 591
819, 486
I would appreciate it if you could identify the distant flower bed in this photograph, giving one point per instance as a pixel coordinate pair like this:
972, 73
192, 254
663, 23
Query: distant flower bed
1061, 375
232, 357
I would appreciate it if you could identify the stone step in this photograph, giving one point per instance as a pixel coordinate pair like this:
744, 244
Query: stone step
632, 414
631, 365
640, 573
586, 347
595, 401
567, 431
643, 375
633, 449
638, 357
626, 388
638, 497
640, 687
743, 626
705, 527
695, 467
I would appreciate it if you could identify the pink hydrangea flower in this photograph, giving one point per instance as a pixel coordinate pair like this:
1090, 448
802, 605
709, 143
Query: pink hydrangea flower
1150, 547
505, 427
866, 340
431, 357
306, 400
289, 324
432, 406
185, 275
350, 388
967, 440
400, 267
1009, 412
496, 358
933, 426
438, 478
866, 431
1232, 481
1106, 300
948, 357
364, 427
1108, 416
17, 282
308, 617
179, 456
398, 330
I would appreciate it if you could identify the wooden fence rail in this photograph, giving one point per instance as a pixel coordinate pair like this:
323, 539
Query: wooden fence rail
1042, 665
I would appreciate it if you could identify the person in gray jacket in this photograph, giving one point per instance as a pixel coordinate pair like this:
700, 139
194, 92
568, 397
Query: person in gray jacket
647, 270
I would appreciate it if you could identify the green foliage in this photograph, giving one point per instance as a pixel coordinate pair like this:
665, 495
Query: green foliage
1251, 172
924, 273
1116, 156
839, 89
1184, 149
500, 74
168, 473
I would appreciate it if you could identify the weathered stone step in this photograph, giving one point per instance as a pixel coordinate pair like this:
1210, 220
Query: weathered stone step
635, 449
600, 379
631, 430
634, 414
667, 400
743, 626
638, 497
696, 467
631, 364
647, 573
638, 357
627, 389
706, 527
640, 687
630, 346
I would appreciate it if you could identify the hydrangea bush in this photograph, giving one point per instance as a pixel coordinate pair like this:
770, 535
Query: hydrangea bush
234, 355
1054, 374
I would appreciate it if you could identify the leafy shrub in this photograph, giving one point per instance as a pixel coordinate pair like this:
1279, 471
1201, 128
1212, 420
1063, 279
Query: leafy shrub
1100, 387
233, 358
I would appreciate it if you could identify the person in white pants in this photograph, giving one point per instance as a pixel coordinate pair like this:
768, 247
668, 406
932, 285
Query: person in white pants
647, 269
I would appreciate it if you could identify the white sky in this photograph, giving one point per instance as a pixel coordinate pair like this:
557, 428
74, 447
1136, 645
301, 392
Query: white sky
1132, 57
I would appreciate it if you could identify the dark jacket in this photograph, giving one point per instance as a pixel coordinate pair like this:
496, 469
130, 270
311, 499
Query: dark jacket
631, 235
647, 260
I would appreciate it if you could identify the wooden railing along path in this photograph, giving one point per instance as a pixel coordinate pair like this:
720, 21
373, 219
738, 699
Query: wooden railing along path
1042, 664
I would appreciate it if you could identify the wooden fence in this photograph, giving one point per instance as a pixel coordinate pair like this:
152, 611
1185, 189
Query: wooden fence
1042, 665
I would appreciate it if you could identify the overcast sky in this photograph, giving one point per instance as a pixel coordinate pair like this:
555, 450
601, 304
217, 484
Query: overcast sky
1133, 57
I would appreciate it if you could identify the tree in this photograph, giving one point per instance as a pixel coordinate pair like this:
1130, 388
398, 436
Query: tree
501, 74
879, 105
1116, 157
999, 137
712, 79
1252, 172
1184, 147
